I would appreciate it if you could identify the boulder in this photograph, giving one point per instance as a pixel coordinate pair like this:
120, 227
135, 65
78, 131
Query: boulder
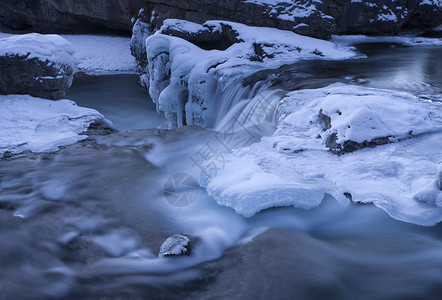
35, 64
177, 244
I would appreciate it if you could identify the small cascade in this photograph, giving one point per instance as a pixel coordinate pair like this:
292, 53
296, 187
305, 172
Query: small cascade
252, 109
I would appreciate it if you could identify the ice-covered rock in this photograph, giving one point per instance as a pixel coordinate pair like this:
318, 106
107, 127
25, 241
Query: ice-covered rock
39, 125
346, 118
35, 64
398, 177
177, 244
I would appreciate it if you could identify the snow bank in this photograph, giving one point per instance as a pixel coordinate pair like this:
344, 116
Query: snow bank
38, 125
45, 47
398, 177
195, 74
95, 54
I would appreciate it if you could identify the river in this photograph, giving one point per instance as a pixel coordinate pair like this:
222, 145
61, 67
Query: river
87, 221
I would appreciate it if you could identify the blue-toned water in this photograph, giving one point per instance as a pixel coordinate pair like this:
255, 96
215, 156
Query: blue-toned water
87, 222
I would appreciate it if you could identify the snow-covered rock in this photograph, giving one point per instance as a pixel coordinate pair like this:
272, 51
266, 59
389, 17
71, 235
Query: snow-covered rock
36, 64
177, 244
38, 125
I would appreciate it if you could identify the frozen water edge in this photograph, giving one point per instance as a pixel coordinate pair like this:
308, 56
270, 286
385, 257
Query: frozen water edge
399, 177
406, 40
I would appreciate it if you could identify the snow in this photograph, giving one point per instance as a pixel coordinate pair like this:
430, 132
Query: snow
195, 73
288, 10
437, 3
398, 177
102, 55
45, 47
93, 54
359, 117
38, 125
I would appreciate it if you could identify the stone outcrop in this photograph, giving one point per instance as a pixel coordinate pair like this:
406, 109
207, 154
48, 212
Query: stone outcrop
37, 65
34, 77
312, 18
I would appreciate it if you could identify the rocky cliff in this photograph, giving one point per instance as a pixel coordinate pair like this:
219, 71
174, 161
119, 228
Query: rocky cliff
314, 18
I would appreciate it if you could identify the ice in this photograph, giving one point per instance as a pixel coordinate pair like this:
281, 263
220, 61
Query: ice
196, 74
248, 189
45, 47
399, 177
38, 125
406, 40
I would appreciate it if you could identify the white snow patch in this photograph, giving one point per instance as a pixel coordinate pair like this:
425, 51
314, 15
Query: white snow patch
100, 55
39, 125
437, 3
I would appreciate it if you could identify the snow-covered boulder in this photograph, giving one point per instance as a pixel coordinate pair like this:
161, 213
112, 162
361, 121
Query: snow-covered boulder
39, 125
177, 244
36, 64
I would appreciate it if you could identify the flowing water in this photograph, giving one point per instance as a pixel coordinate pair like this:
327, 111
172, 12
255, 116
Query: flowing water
120, 98
87, 221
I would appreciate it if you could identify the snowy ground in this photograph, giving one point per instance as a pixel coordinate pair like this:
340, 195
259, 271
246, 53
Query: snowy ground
100, 55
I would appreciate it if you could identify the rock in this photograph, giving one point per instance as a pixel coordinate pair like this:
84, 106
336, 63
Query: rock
205, 36
313, 18
140, 32
69, 16
177, 244
38, 65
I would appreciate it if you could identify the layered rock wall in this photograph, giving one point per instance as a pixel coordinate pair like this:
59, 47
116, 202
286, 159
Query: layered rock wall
312, 18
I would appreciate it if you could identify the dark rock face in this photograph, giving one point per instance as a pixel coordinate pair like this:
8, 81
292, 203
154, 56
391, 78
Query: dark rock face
73, 16
311, 18
208, 38
20, 75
